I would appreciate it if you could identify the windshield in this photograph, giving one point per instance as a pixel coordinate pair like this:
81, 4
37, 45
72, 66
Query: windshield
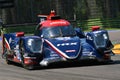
35, 45
62, 31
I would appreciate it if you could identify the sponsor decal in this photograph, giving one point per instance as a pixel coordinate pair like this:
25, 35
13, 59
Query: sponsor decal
67, 44
70, 51
65, 38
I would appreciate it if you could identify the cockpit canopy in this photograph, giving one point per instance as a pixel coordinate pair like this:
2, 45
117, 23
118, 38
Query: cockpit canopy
53, 26
60, 31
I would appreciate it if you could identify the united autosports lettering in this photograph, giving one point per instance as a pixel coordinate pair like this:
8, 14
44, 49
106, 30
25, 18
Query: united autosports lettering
67, 44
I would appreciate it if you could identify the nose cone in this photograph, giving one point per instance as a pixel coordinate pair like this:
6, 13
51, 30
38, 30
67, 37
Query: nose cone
66, 46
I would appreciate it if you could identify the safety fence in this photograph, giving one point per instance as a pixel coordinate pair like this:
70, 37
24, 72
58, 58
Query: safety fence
104, 23
28, 28
85, 25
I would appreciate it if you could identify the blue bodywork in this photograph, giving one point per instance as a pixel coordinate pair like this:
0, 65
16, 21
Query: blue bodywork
93, 45
77, 47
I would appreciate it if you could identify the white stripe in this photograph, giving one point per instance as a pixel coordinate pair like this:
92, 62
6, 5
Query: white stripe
7, 43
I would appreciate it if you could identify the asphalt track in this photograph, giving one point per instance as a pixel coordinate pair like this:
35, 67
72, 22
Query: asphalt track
75, 71
114, 35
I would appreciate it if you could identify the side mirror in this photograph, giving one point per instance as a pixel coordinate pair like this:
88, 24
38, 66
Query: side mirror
19, 34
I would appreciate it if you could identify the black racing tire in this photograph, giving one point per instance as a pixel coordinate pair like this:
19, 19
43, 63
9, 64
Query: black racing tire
7, 60
5, 54
28, 67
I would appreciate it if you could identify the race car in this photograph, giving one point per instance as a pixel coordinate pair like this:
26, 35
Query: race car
56, 40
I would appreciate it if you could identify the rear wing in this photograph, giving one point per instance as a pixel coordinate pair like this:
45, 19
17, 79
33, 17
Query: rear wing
52, 15
41, 18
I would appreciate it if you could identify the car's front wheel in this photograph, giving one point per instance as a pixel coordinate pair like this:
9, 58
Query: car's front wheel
22, 50
28, 67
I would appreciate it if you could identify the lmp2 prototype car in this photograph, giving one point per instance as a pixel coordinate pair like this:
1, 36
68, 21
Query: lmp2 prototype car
55, 40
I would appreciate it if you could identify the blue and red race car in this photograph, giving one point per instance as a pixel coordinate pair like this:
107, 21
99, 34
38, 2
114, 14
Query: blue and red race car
55, 40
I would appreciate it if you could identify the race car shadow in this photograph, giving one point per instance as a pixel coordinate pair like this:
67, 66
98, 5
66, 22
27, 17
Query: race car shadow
116, 62
77, 64
72, 64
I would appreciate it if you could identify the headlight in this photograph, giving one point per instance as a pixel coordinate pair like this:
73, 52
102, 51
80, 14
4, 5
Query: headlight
30, 42
35, 45
105, 36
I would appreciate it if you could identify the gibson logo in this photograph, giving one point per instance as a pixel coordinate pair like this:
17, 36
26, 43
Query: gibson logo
67, 44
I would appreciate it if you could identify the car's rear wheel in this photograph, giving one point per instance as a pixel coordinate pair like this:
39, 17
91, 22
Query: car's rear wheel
4, 48
7, 60
5, 53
